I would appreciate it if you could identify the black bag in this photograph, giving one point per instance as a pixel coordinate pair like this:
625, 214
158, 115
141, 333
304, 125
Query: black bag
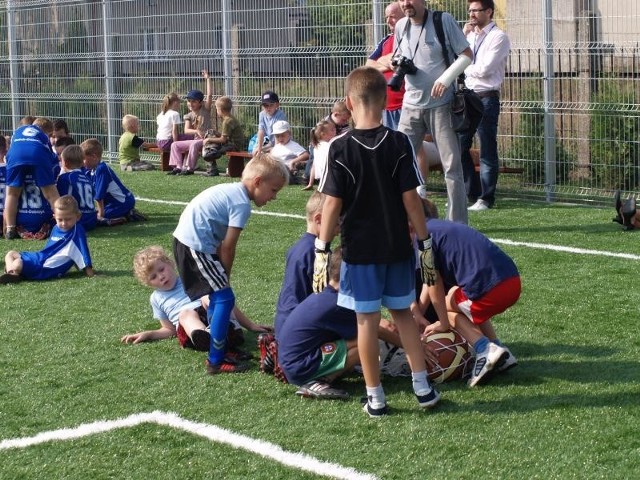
466, 106
466, 110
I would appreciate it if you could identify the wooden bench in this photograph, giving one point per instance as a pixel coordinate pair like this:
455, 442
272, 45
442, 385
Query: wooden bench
164, 156
236, 163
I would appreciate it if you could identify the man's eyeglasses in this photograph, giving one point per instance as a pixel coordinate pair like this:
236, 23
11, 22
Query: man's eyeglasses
476, 10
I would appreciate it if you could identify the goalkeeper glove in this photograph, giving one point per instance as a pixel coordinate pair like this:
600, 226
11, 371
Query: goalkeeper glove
427, 268
321, 266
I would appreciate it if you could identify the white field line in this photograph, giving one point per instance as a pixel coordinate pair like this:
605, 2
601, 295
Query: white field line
541, 246
268, 450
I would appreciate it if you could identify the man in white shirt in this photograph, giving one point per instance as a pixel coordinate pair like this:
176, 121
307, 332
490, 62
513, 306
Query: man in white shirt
490, 47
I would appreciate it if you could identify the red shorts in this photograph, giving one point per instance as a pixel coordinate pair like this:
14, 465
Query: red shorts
495, 301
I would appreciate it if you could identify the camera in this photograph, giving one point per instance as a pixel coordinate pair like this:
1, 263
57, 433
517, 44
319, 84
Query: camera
403, 66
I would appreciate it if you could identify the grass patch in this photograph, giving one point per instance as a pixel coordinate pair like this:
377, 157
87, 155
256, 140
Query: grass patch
569, 410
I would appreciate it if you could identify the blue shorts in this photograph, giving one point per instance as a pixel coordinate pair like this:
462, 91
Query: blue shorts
42, 174
366, 288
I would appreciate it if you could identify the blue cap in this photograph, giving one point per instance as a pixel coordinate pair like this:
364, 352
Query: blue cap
195, 95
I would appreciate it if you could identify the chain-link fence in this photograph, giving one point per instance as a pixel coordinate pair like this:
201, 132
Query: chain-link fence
569, 103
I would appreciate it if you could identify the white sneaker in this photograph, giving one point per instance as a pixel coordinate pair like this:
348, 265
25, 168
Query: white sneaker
479, 206
509, 363
493, 356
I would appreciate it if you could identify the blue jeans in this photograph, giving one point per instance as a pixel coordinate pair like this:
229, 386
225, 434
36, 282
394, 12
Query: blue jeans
483, 186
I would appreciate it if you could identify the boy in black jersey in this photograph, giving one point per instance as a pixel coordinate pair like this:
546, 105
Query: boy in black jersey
370, 181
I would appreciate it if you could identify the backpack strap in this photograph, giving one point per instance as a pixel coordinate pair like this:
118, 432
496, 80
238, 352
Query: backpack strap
437, 23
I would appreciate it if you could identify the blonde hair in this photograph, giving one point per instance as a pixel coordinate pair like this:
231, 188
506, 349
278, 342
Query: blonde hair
45, 125
314, 204
128, 121
72, 156
27, 120
92, 147
145, 259
367, 86
66, 203
335, 263
265, 166
168, 100
224, 103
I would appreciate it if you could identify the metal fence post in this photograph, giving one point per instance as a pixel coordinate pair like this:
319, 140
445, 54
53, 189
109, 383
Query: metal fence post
549, 123
108, 73
13, 67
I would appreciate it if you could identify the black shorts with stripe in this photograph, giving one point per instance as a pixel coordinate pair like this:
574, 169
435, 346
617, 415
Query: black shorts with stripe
201, 273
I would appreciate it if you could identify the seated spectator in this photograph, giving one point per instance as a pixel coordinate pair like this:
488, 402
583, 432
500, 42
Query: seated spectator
196, 124
74, 181
340, 117
66, 247
321, 136
269, 115
129, 146
318, 342
115, 204
286, 150
169, 121
230, 137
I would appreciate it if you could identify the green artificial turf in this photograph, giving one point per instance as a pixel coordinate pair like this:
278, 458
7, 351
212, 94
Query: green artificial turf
569, 410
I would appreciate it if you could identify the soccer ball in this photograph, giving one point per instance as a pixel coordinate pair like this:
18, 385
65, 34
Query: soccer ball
393, 361
452, 353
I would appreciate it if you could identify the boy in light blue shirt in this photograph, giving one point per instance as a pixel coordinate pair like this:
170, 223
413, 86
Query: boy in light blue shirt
205, 240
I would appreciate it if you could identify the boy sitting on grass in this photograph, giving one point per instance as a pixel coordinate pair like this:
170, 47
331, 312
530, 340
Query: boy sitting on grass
74, 181
129, 146
205, 241
114, 202
177, 313
67, 246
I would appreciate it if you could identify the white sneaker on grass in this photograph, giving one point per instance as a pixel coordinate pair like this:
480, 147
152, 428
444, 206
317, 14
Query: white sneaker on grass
479, 206
509, 363
492, 356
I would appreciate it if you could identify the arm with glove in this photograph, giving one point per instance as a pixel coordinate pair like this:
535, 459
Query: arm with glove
329, 222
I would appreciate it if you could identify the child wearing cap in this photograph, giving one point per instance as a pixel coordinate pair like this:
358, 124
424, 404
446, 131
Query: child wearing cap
289, 152
269, 115
196, 123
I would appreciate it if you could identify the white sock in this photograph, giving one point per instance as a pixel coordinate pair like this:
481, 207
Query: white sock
376, 396
421, 384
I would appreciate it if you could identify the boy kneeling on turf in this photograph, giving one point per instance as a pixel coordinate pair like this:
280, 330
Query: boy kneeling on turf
67, 246
318, 341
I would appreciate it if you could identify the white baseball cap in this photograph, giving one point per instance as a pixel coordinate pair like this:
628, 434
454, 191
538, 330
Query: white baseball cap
281, 126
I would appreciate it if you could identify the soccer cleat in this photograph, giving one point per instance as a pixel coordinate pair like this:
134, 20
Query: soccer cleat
135, 216
237, 355
186, 172
374, 412
493, 356
175, 171
429, 399
9, 278
212, 172
226, 366
201, 340
321, 390
266, 361
11, 234
509, 363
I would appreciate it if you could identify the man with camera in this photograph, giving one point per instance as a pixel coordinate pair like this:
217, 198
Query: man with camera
485, 76
429, 91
